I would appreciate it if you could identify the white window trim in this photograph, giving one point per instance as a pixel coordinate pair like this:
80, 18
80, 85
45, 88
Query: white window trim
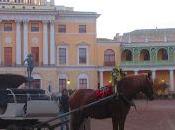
62, 76
87, 54
58, 55
83, 76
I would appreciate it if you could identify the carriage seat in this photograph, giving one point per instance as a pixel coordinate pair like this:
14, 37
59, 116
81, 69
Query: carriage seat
42, 108
104, 91
14, 110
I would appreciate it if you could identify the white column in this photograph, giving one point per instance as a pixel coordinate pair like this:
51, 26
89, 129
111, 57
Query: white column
25, 49
52, 43
101, 78
18, 42
135, 72
45, 43
42, 2
171, 80
52, 2
153, 74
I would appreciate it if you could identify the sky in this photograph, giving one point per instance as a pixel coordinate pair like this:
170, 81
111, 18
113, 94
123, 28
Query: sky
121, 16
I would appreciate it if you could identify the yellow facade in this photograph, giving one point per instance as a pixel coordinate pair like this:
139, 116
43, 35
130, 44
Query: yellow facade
46, 41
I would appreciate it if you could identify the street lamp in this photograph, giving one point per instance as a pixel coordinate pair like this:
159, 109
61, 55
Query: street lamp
110, 81
68, 83
162, 80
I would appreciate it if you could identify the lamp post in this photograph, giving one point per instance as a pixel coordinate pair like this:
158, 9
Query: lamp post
114, 79
110, 81
68, 83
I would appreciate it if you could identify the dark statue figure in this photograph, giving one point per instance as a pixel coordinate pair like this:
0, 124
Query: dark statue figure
30, 66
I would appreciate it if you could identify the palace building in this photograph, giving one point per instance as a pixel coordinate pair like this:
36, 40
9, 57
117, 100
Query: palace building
67, 53
150, 50
62, 42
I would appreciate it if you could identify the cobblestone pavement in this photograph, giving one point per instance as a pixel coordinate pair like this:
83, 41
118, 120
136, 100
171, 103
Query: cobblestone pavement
151, 115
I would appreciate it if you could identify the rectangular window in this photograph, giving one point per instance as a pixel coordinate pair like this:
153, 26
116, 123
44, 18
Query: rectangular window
82, 28
82, 56
34, 27
8, 56
7, 27
62, 56
82, 83
35, 54
62, 28
62, 84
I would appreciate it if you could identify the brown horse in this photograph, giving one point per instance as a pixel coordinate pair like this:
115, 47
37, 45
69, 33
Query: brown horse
116, 107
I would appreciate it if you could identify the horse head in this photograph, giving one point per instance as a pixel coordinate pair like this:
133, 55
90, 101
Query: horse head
147, 88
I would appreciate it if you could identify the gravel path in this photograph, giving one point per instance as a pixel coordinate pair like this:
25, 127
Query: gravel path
151, 115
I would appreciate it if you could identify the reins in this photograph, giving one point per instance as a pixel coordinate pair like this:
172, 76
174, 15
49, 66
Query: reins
76, 110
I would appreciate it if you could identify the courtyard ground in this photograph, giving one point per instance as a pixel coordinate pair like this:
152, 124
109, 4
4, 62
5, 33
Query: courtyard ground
151, 115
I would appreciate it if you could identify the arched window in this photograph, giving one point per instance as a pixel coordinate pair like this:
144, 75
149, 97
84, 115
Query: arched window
83, 81
162, 54
144, 55
109, 57
126, 55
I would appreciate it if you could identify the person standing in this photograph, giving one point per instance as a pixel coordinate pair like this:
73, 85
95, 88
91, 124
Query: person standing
64, 107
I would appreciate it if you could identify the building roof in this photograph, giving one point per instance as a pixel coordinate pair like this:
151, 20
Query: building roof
148, 35
106, 40
27, 2
70, 13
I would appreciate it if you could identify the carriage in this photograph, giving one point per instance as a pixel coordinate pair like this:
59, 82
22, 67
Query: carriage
23, 108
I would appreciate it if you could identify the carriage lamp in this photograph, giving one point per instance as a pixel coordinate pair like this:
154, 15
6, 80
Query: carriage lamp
68, 82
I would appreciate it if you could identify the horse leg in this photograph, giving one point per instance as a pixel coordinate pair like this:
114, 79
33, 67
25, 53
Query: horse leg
121, 123
115, 123
123, 119
76, 120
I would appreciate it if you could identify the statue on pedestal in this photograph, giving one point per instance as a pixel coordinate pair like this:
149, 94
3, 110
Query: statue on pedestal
30, 66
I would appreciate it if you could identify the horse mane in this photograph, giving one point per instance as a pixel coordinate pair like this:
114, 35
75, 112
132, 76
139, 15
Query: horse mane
131, 81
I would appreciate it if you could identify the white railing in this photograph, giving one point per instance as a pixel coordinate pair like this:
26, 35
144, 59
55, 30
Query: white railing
14, 97
25, 2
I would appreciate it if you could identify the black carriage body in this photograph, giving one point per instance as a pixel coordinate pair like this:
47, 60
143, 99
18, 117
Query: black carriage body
9, 84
